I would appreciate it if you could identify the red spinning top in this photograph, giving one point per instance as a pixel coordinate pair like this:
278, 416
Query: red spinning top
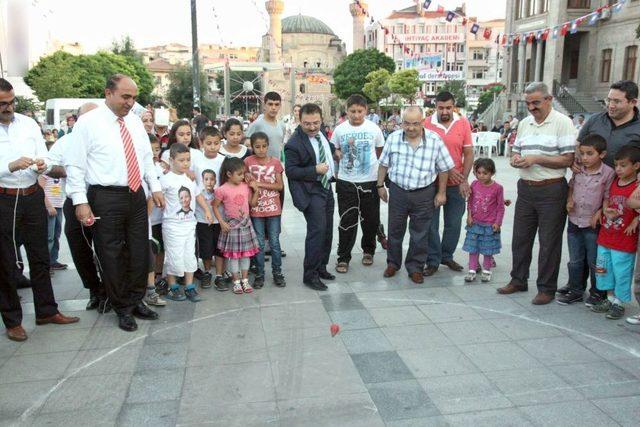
335, 328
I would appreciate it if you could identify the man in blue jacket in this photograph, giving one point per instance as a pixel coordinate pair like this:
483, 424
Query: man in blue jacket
310, 169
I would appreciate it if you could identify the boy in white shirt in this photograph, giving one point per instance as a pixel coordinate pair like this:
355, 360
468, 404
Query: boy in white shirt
358, 143
179, 224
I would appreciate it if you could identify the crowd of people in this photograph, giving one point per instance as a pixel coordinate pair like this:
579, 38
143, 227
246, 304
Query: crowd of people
144, 205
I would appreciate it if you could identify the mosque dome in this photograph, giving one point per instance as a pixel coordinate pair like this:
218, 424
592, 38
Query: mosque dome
305, 24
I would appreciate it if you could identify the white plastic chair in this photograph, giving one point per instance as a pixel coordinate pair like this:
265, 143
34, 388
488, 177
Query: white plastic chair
486, 141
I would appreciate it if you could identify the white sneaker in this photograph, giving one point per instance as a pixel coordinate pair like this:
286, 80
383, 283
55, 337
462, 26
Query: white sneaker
634, 320
237, 287
470, 277
486, 276
246, 287
154, 299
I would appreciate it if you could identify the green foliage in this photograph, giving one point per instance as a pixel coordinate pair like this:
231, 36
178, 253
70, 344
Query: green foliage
62, 75
235, 87
456, 87
180, 93
405, 83
486, 97
27, 104
350, 75
126, 47
376, 87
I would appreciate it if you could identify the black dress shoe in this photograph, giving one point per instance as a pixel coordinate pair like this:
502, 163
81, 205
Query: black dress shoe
316, 285
93, 303
141, 311
326, 275
126, 322
104, 306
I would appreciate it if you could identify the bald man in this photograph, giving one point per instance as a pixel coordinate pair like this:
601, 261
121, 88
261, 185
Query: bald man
413, 158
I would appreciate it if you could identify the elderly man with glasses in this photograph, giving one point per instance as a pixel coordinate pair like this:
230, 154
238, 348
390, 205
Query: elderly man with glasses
413, 158
542, 152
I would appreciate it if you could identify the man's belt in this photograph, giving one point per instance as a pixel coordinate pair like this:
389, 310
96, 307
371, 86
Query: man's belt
20, 191
542, 182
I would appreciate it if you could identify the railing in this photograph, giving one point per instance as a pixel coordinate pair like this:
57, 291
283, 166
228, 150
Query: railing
493, 112
567, 100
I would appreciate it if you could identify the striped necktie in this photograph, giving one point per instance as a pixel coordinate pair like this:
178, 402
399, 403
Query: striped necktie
133, 170
324, 179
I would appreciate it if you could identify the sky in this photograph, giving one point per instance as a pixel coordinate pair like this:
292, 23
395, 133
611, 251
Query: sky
96, 23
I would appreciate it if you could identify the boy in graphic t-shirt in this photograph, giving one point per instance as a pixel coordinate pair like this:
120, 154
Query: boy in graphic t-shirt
358, 144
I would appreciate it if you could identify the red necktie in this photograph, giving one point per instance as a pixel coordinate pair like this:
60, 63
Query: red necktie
133, 171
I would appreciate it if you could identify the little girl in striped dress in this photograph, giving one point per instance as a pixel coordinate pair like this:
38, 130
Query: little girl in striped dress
237, 241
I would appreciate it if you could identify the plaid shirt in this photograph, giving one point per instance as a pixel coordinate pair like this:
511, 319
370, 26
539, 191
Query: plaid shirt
413, 169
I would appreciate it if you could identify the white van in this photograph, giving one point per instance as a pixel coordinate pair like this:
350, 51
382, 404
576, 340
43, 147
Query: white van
58, 108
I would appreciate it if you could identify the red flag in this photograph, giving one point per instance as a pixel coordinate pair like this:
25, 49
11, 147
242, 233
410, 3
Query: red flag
504, 39
545, 34
487, 33
440, 9
464, 21
386, 31
516, 40
565, 29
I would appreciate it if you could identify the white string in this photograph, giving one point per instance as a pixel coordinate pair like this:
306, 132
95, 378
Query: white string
360, 217
19, 263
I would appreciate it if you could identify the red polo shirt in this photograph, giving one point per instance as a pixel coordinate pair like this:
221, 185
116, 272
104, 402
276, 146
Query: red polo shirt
455, 138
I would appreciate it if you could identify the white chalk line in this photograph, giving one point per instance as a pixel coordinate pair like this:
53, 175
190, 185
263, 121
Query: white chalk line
41, 401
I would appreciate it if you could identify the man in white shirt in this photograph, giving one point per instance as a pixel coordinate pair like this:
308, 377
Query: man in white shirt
104, 178
23, 156
79, 239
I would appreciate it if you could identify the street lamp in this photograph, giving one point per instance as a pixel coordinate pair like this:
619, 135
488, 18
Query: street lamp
194, 55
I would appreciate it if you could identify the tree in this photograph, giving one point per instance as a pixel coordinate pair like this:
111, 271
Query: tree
350, 75
405, 83
62, 75
235, 87
180, 93
27, 104
376, 87
126, 47
486, 97
456, 87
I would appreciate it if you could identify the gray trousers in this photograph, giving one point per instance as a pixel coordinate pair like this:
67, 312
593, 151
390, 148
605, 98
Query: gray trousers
416, 206
541, 210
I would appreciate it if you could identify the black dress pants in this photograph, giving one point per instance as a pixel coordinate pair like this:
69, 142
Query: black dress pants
121, 239
317, 245
354, 200
81, 251
31, 225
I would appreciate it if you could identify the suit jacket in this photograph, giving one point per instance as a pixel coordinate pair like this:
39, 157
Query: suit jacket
300, 167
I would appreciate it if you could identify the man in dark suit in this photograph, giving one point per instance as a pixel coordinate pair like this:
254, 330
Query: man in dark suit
310, 169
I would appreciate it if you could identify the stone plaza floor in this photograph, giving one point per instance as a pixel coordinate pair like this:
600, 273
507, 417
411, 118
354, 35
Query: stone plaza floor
437, 354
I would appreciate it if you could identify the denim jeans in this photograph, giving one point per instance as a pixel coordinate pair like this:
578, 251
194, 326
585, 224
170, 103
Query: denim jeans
582, 249
53, 232
440, 251
270, 224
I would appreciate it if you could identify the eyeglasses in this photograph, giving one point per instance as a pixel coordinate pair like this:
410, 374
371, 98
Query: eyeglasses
411, 124
6, 104
614, 101
310, 124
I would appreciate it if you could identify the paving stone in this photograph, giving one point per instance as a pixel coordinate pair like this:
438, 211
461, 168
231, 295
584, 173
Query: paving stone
558, 351
353, 319
437, 362
156, 386
509, 417
624, 410
579, 414
464, 393
472, 332
413, 337
365, 341
381, 367
519, 329
302, 315
35, 367
393, 316
341, 302
449, 312
345, 410
499, 356
102, 416
162, 356
250, 414
158, 414
54, 341
401, 400
16, 398
435, 421
599, 380
105, 361
114, 337
104, 391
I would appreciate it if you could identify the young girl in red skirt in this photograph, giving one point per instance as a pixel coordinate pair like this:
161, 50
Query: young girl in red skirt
238, 241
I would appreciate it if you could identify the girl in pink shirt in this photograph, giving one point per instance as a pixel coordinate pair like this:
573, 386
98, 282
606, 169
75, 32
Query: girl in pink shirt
484, 219
237, 241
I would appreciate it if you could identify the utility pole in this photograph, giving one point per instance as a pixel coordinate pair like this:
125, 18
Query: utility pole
195, 63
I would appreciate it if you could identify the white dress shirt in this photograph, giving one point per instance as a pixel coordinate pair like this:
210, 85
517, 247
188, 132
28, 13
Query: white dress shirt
56, 153
98, 155
21, 138
327, 151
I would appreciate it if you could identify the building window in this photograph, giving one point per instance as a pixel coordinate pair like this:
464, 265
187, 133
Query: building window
533, 6
605, 65
478, 54
545, 6
579, 4
477, 74
630, 59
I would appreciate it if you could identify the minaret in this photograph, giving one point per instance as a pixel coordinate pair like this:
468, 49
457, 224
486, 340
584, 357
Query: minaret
275, 8
358, 10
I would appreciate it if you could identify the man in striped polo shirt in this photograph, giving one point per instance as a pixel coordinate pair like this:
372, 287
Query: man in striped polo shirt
543, 150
